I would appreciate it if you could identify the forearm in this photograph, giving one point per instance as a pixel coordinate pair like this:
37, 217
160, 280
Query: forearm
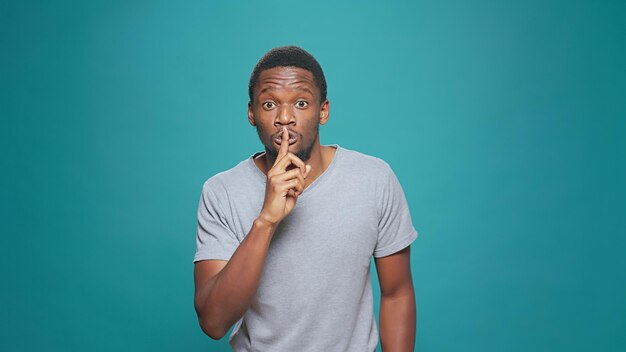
225, 297
397, 323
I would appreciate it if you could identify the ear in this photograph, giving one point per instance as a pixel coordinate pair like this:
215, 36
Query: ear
324, 112
250, 114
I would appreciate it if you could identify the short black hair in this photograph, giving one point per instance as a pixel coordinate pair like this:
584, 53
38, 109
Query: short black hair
290, 56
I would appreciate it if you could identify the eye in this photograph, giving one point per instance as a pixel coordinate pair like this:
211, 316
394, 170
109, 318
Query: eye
302, 104
268, 105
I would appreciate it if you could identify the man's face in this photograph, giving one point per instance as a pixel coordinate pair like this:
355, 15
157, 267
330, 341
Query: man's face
287, 96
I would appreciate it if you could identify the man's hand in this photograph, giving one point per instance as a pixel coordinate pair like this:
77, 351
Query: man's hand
283, 186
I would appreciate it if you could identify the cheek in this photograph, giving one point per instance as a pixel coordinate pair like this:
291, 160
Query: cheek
311, 130
266, 133
260, 129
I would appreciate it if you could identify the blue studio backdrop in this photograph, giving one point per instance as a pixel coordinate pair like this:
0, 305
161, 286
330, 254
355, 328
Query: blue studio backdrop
503, 120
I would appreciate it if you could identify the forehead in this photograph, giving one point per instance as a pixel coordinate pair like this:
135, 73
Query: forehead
286, 77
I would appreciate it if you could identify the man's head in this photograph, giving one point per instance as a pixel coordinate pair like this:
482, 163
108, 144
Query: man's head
287, 89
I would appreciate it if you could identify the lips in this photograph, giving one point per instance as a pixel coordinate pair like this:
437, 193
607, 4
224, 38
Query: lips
293, 137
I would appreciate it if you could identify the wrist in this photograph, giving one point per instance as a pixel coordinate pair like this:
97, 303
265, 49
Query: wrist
267, 218
264, 224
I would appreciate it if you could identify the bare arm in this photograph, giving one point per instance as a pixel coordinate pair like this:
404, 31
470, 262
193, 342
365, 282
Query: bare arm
224, 289
397, 302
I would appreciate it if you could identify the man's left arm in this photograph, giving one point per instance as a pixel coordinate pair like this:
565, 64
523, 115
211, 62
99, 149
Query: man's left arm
397, 302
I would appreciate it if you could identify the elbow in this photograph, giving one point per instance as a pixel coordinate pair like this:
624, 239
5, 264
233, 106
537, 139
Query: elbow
211, 330
210, 327
211, 320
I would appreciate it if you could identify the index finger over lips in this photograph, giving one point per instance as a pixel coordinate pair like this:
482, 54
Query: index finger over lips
284, 145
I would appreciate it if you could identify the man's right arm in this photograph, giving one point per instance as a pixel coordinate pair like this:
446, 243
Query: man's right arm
224, 289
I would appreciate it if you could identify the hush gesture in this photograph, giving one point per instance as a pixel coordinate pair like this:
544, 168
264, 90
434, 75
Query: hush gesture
284, 183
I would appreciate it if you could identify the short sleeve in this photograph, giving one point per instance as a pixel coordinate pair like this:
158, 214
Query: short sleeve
214, 239
395, 228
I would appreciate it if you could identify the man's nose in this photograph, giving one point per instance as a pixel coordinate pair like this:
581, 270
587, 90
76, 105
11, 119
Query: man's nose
285, 116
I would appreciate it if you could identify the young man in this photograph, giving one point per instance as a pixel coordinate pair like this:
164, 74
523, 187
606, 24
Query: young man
285, 238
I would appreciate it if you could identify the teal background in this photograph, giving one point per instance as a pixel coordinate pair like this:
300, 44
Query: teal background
504, 122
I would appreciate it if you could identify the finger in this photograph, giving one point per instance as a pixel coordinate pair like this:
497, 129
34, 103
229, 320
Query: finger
284, 145
289, 159
294, 184
291, 174
308, 170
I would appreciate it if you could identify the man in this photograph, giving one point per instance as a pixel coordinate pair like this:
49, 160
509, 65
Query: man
285, 238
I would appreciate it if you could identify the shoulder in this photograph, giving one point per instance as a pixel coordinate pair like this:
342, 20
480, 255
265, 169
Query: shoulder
222, 181
372, 166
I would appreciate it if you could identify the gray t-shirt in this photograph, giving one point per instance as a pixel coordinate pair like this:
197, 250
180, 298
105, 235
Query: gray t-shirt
315, 291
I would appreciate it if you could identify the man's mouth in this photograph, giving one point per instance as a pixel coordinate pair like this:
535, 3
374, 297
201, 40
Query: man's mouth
293, 137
